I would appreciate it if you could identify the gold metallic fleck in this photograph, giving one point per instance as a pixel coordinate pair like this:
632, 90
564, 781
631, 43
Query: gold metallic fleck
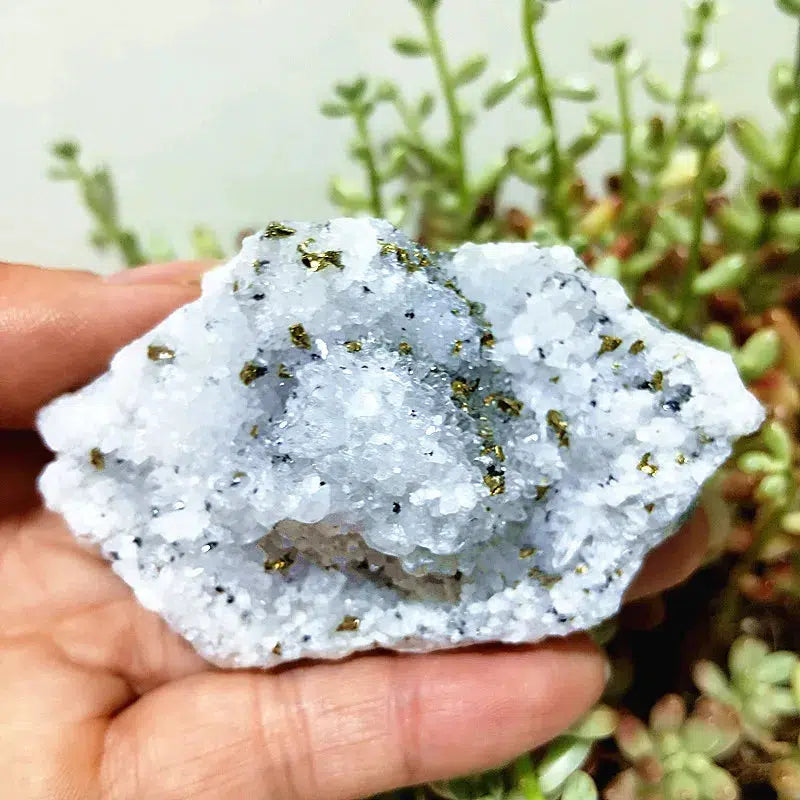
250, 372
541, 490
158, 352
462, 389
412, 263
510, 405
277, 650
609, 344
495, 483
349, 623
97, 459
505, 403
559, 425
636, 347
278, 564
487, 339
405, 349
283, 371
645, 466
277, 230
527, 552
680, 458
649, 507
545, 579
457, 345
254, 431
581, 569
316, 261
403, 257
352, 346
299, 336
656, 383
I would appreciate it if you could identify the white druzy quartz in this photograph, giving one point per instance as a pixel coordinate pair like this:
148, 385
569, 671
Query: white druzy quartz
349, 442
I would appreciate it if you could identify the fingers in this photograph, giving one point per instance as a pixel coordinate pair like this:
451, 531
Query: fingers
674, 560
59, 328
173, 272
346, 730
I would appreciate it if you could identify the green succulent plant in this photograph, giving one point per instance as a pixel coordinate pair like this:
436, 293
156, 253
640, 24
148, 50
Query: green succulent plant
777, 520
784, 776
762, 350
675, 758
762, 687
554, 773
774, 463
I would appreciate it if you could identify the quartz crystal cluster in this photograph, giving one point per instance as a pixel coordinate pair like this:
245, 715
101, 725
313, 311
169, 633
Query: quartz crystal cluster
350, 442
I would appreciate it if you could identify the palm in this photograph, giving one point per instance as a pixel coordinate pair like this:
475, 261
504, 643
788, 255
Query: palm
101, 700
71, 628
49, 583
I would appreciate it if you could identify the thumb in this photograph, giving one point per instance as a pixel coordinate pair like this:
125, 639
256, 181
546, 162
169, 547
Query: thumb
346, 730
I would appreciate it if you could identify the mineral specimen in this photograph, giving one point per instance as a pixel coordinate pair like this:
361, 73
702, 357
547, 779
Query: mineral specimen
349, 442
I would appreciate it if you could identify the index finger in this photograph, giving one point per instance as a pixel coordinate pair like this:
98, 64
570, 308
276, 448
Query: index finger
59, 328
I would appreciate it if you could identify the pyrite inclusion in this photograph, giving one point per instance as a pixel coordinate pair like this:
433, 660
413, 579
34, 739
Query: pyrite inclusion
348, 442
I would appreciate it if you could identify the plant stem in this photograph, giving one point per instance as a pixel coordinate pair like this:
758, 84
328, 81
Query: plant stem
453, 110
767, 523
690, 73
375, 199
623, 96
129, 247
793, 140
546, 109
408, 117
698, 220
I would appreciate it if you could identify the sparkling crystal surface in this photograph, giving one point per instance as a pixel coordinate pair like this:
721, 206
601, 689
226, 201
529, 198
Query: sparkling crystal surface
348, 442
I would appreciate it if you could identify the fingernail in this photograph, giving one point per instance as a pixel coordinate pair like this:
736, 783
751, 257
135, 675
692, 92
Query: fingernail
187, 273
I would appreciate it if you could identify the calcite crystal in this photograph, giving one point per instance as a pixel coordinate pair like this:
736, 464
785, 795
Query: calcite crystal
349, 442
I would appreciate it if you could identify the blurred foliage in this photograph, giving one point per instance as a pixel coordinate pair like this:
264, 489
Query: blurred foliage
674, 756
718, 261
99, 196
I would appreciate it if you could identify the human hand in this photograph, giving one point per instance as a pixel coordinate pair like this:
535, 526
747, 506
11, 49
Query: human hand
99, 700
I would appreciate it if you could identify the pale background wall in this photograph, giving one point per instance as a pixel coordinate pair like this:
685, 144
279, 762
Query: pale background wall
207, 109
